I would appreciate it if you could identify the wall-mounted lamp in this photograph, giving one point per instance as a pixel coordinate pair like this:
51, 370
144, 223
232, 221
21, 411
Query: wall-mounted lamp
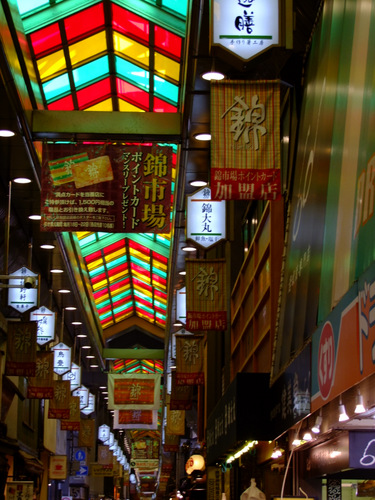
316, 427
359, 408
307, 435
342, 412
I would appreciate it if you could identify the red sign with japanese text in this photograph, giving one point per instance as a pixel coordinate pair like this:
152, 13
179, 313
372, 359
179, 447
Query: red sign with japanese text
106, 187
206, 306
245, 145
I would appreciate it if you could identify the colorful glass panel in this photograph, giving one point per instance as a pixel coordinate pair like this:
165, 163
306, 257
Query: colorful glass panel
87, 48
133, 94
106, 105
51, 65
64, 104
167, 67
168, 42
53, 89
46, 39
161, 106
84, 22
95, 92
90, 72
132, 73
128, 23
166, 90
25, 6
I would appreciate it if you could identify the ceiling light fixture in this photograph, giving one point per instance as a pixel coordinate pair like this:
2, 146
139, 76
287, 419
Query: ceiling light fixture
296, 441
213, 75
86, 347
189, 248
47, 246
307, 436
360, 408
5, 132
64, 290
177, 323
182, 273
202, 137
342, 412
35, 217
316, 427
56, 271
22, 180
198, 183
76, 322
70, 308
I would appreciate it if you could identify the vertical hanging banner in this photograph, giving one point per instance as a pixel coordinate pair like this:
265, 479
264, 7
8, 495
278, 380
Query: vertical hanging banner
59, 404
41, 386
86, 435
106, 187
21, 349
189, 360
175, 422
245, 143
133, 392
73, 423
135, 419
181, 397
206, 297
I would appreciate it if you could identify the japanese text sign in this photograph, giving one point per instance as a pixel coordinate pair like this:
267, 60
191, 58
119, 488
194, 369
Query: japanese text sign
245, 27
206, 305
62, 358
20, 297
41, 386
189, 360
205, 218
140, 391
107, 188
245, 145
58, 467
21, 349
46, 324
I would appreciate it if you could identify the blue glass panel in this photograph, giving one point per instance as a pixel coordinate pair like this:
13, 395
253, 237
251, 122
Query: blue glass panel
91, 72
56, 87
180, 7
25, 6
132, 73
166, 90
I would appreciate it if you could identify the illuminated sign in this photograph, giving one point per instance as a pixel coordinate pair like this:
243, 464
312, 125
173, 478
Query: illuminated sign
23, 291
46, 325
62, 355
245, 27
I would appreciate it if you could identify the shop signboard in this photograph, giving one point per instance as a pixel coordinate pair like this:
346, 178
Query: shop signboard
46, 324
19, 490
362, 449
245, 28
58, 467
23, 293
62, 358
74, 376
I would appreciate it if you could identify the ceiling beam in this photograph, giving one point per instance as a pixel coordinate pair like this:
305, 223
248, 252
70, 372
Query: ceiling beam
113, 353
74, 125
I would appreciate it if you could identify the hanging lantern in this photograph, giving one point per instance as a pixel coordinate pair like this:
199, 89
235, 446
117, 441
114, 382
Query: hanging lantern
195, 462
103, 433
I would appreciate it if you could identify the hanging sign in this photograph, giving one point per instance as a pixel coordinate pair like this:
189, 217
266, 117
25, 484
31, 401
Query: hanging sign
103, 433
59, 405
19, 490
205, 219
106, 187
23, 291
46, 324
245, 27
138, 391
86, 436
73, 423
74, 376
189, 360
83, 393
245, 145
181, 305
21, 349
62, 358
58, 467
41, 386
90, 408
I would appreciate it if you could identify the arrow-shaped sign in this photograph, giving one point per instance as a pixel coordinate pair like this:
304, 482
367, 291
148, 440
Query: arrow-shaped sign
83, 470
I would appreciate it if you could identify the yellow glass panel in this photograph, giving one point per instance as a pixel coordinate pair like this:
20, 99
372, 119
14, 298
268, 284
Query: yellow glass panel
99, 285
50, 65
131, 49
87, 48
141, 276
167, 67
125, 106
102, 106
94, 264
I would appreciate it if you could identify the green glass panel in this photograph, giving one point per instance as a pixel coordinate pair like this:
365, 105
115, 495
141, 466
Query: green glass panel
116, 262
166, 90
180, 6
132, 73
91, 72
56, 87
95, 272
91, 238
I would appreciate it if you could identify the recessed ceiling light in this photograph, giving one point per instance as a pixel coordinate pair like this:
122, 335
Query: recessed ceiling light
177, 323
35, 217
202, 137
198, 183
82, 335
76, 322
103, 387
213, 75
47, 246
56, 271
7, 133
22, 180
90, 356
70, 308
94, 366
189, 248
182, 273
64, 290
86, 347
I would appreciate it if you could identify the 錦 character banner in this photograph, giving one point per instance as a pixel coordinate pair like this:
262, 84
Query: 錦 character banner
245, 143
106, 187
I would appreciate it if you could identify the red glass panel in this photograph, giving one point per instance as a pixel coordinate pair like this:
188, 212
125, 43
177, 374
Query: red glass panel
94, 93
93, 256
130, 24
117, 270
161, 295
114, 247
138, 247
98, 295
46, 39
168, 42
160, 258
163, 107
132, 94
142, 284
104, 309
120, 284
85, 21
64, 104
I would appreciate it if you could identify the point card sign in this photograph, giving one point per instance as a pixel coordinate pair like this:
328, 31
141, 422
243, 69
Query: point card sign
46, 325
245, 27
23, 291
205, 218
